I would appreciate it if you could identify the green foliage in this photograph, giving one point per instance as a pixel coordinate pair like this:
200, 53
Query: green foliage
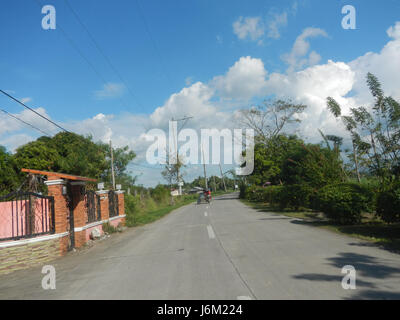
269, 157
296, 196
78, 155
291, 196
345, 202
144, 209
160, 194
388, 204
9, 179
38, 155
375, 133
312, 165
67, 153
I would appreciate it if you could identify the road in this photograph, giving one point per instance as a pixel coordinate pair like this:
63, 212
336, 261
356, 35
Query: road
224, 250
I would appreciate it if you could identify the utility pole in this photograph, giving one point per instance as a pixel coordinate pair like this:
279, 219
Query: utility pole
204, 167
222, 176
112, 166
215, 185
177, 154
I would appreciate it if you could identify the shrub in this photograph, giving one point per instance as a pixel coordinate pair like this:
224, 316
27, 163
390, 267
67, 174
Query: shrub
295, 196
344, 202
388, 204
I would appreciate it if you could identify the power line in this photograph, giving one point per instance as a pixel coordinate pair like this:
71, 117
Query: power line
12, 116
21, 103
143, 166
96, 44
76, 47
152, 40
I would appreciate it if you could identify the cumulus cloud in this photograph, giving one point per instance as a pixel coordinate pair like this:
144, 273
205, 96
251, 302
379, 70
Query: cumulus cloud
249, 27
311, 87
244, 80
394, 31
110, 90
297, 58
384, 64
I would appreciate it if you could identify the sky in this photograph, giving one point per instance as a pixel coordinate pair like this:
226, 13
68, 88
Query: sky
154, 60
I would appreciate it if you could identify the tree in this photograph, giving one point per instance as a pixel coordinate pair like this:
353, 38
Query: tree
375, 132
122, 157
172, 172
9, 177
270, 156
39, 155
270, 118
313, 165
75, 154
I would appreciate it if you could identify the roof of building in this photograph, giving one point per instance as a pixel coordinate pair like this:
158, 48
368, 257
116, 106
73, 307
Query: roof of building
57, 175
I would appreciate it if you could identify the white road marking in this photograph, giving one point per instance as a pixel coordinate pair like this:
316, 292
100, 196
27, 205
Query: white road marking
210, 231
205, 214
243, 298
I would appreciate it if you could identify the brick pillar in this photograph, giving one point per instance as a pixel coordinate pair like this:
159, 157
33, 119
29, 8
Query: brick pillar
80, 215
105, 214
121, 205
61, 210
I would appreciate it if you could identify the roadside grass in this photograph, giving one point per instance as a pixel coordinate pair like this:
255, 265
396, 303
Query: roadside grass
372, 229
142, 217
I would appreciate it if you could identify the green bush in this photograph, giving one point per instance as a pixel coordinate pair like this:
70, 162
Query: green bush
295, 196
345, 202
388, 204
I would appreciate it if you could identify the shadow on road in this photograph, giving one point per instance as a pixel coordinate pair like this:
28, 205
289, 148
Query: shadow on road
386, 237
367, 267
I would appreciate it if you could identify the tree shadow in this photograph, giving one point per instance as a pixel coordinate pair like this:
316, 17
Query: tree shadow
385, 236
368, 267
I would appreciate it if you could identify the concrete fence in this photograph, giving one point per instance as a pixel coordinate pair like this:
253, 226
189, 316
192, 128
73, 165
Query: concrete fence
71, 227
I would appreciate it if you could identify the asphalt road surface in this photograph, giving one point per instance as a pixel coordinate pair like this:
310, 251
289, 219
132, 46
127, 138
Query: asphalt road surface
224, 250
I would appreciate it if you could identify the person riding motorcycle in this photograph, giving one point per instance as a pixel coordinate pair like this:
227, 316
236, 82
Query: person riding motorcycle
207, 195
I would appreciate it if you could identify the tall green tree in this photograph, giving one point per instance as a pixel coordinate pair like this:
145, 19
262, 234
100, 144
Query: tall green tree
375, 132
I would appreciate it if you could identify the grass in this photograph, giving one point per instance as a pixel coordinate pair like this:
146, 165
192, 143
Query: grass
148, 216
372, 229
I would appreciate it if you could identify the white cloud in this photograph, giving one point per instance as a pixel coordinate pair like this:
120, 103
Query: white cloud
244, 80
274, 24
311, 87
394, 31
110, 90
297, 59
249, 27
385, 65
26, 100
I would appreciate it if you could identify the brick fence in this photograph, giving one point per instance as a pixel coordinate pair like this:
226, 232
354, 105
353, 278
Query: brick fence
20, 254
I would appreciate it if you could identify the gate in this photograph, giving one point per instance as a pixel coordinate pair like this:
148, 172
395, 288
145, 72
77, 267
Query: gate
92, 204
113, 204
26, 215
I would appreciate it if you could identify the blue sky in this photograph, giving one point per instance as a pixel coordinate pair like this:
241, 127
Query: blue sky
164, 47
